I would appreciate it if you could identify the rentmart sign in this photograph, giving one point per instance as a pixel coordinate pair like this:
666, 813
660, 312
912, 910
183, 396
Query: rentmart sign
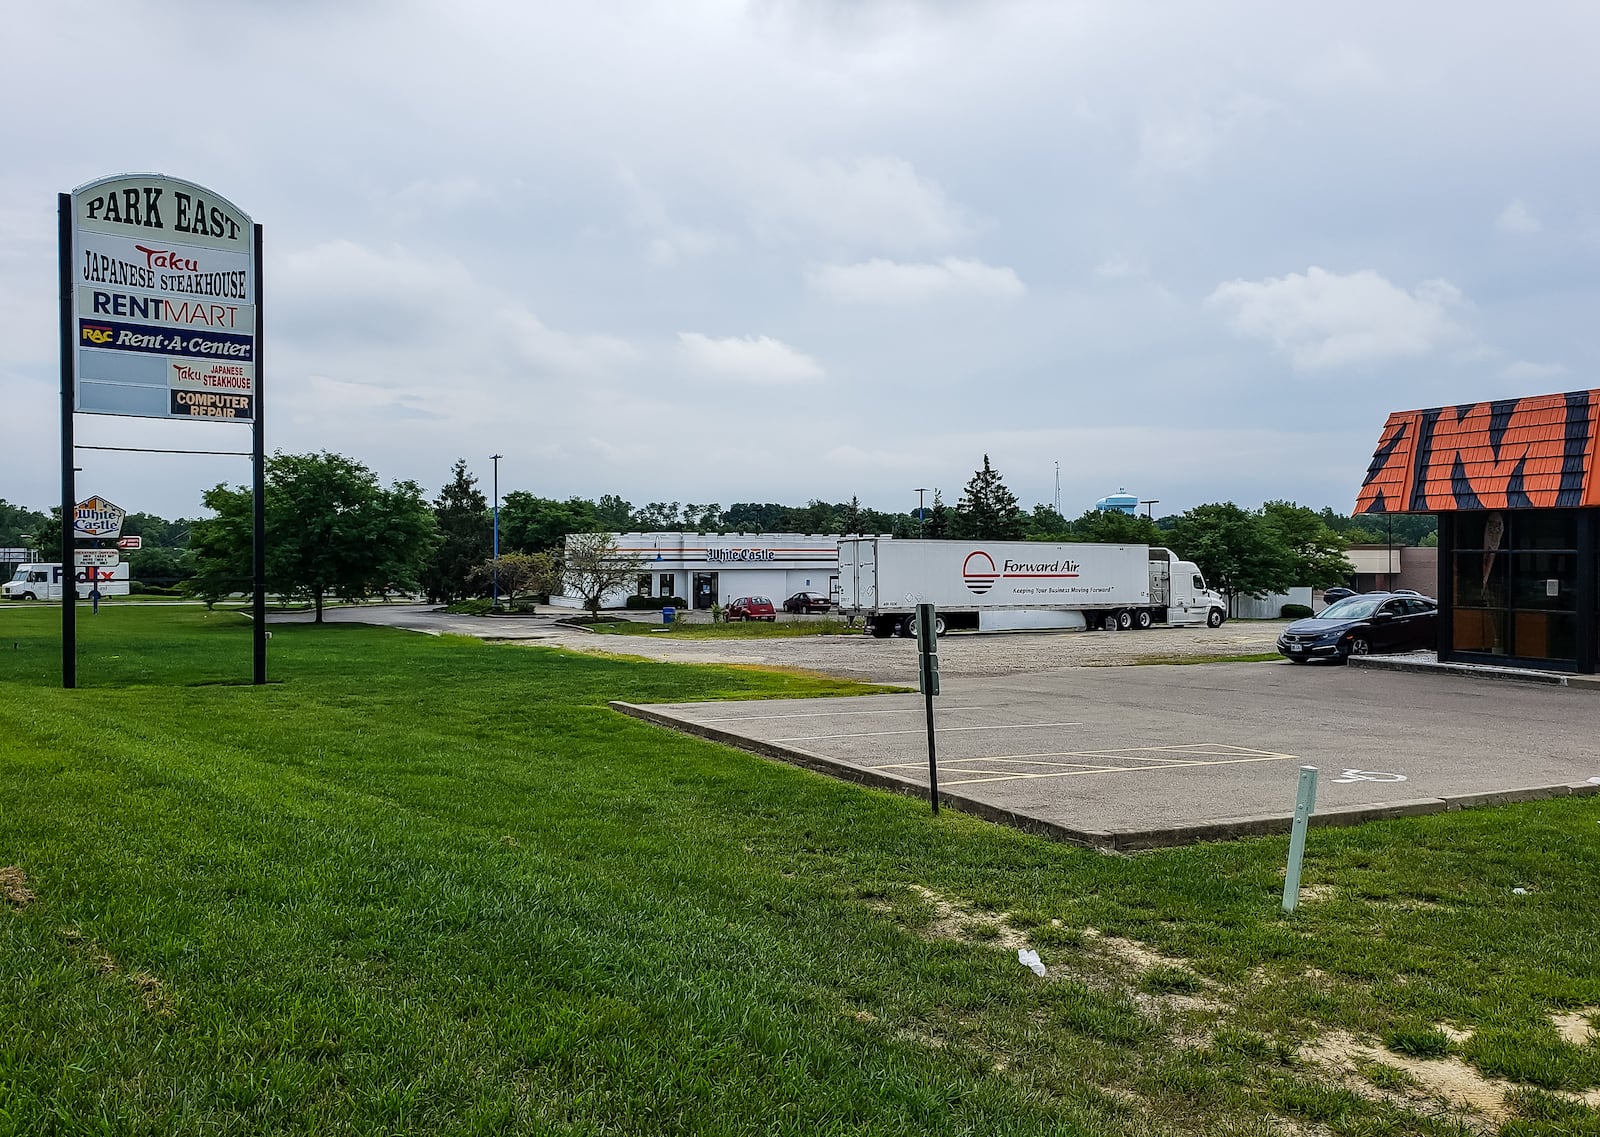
164, 301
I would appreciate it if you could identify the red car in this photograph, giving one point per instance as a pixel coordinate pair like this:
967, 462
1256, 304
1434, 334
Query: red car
750, 608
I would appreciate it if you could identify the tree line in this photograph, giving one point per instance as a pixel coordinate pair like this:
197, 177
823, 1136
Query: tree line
333, 530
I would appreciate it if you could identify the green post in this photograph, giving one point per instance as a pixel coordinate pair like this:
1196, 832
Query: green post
1305, 802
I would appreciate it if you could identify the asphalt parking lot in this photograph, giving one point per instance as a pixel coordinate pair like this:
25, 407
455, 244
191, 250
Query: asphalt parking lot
1137, 757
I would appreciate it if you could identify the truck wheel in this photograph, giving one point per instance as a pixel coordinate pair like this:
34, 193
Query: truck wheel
1109, 621
1124, 620
29, 596
908, 628
880, 629
1214, 618
1142, 619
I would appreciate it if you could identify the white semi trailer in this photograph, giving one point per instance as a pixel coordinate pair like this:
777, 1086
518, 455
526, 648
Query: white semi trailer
35, 581
1005, 585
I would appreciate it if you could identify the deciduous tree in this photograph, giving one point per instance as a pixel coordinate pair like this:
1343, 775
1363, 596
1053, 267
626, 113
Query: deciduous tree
520, 574
331, 530
1315, 552
593, 565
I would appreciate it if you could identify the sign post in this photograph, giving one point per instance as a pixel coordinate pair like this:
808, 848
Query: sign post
161, 317
928, 682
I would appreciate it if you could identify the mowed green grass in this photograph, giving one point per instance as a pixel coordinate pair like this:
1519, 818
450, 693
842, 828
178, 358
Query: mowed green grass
435, 886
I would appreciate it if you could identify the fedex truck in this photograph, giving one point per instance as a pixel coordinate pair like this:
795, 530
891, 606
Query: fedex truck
1008, 585
43, 582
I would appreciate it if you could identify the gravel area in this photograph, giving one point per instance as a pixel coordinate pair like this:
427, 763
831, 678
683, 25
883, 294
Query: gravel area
961, 655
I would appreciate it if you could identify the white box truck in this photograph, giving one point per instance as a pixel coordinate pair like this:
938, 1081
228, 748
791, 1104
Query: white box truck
1007, 585
36, 581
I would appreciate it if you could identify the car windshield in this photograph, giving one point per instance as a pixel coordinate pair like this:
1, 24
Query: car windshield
1352, 608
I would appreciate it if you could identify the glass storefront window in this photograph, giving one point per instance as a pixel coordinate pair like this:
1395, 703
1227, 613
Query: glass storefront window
1480, 580
1544, 580
1515, 580
1479, 629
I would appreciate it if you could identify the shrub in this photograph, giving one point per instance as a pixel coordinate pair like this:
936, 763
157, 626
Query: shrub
654, 603
470, 607
135, 588
1294, 611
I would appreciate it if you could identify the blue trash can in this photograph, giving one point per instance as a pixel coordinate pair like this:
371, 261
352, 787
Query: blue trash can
668, 615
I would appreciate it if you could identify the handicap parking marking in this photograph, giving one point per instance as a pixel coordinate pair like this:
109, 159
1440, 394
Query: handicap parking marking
1149, 759
919, 730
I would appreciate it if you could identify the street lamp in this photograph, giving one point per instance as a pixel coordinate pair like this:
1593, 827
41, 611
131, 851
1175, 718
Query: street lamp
495, 458
1147, 503
920, 491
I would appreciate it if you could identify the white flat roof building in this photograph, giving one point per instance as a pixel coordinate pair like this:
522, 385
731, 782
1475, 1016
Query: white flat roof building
703, 569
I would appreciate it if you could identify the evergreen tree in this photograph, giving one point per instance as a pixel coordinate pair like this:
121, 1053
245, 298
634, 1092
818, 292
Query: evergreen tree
937, 525
467, 531
854, 517
987, 510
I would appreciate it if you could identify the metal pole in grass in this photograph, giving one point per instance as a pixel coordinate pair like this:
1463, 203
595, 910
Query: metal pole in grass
1305, 802
495, 458
928, 680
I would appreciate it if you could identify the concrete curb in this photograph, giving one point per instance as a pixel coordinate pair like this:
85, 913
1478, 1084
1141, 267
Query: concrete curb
1476, 671
1115, 840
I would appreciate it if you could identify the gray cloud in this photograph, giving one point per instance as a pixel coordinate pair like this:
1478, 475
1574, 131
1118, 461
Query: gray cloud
1075, 233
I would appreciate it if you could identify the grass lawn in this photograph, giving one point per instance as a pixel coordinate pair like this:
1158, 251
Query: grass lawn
423, 885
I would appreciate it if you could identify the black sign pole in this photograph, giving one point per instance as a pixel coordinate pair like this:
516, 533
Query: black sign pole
258, 483
928, 678
69, 495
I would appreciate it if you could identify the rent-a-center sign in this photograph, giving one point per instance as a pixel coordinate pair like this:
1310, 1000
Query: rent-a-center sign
164, 295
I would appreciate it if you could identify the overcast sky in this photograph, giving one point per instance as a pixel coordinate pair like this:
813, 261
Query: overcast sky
718, 251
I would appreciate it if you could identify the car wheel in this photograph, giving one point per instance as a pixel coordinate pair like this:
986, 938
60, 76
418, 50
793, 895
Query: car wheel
1359, 646
1214, 618
1142, 619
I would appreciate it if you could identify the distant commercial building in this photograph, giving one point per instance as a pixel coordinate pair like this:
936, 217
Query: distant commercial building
713, 568
1515, 485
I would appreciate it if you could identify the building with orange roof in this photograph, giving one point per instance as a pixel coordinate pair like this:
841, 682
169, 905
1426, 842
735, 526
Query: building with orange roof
1516, 490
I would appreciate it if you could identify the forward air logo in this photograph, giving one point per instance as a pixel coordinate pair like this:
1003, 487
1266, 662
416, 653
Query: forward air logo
979, 573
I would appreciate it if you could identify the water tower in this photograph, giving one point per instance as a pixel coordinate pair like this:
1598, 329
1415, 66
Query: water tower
1120, 502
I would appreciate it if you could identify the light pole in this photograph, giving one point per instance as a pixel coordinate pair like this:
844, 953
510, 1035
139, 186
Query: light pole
495, 572
920, 491
1147, 503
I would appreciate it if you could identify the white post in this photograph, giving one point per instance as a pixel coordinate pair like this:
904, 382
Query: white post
1305, 802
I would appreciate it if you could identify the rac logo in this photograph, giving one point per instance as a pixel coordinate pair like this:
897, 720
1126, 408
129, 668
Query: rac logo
95, 333
979, 573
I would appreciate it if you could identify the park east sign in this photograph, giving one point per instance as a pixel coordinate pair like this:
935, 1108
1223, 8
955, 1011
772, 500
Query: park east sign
164, 299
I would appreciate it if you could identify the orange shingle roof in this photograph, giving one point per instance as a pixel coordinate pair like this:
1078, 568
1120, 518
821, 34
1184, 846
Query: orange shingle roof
1532, 453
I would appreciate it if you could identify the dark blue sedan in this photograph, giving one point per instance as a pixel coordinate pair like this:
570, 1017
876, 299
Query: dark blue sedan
1359, 625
